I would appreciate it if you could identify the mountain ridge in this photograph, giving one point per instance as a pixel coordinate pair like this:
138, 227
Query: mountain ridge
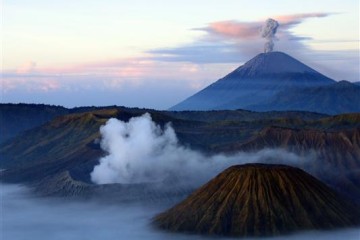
336, 98
71, 142
330, 150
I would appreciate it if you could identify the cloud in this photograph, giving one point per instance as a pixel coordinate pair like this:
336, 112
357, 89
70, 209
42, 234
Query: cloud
28, 83
28, 67
243, 31
199, 54
233, 29
160, 84
113, 74
140, 151
289, 21
235, 41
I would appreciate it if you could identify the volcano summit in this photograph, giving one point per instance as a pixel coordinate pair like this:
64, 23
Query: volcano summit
257, 83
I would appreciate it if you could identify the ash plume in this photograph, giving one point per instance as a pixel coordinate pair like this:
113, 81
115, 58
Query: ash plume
268, 32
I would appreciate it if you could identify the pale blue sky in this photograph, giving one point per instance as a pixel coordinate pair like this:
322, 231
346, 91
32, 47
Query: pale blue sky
117, 51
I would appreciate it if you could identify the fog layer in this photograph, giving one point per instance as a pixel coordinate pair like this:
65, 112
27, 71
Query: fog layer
25, 217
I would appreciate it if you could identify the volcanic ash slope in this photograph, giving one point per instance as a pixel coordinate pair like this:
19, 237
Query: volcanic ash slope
260, 200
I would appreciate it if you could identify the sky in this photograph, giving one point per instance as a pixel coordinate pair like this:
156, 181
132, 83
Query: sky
156, 53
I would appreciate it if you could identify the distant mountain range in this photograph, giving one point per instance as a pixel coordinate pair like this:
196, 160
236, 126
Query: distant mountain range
16, 118
67, 146
276, 81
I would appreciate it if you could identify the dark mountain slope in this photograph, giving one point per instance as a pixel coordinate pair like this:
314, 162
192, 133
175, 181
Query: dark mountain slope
55, 146
15, 118
260, 200
333, 156
242, 115
338, 122
67, 143
340, 97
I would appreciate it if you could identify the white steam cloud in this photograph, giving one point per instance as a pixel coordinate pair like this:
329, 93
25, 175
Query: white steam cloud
141, 151
268, 32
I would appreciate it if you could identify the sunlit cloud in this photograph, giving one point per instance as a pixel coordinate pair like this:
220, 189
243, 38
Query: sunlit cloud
118, 74
28, 67
234, 29
295, 19
236, 42
29, 84
137, 83
245, 31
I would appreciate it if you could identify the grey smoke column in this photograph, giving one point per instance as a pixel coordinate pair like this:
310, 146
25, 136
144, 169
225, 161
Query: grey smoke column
268, 32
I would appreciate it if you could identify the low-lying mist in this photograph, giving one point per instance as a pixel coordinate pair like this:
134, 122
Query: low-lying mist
141, 151
25, 217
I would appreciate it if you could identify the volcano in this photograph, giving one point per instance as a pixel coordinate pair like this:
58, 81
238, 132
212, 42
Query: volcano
260, 200
254, 83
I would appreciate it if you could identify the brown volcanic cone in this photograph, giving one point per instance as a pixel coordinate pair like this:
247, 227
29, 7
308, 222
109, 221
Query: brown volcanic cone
260, 200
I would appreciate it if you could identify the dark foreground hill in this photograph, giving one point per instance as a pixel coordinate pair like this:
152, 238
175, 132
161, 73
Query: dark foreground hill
260, 200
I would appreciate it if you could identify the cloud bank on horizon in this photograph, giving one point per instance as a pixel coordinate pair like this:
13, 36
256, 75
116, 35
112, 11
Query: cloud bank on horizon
219, 47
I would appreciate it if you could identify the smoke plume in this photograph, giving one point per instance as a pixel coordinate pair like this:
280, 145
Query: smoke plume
141, 151
268, 32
